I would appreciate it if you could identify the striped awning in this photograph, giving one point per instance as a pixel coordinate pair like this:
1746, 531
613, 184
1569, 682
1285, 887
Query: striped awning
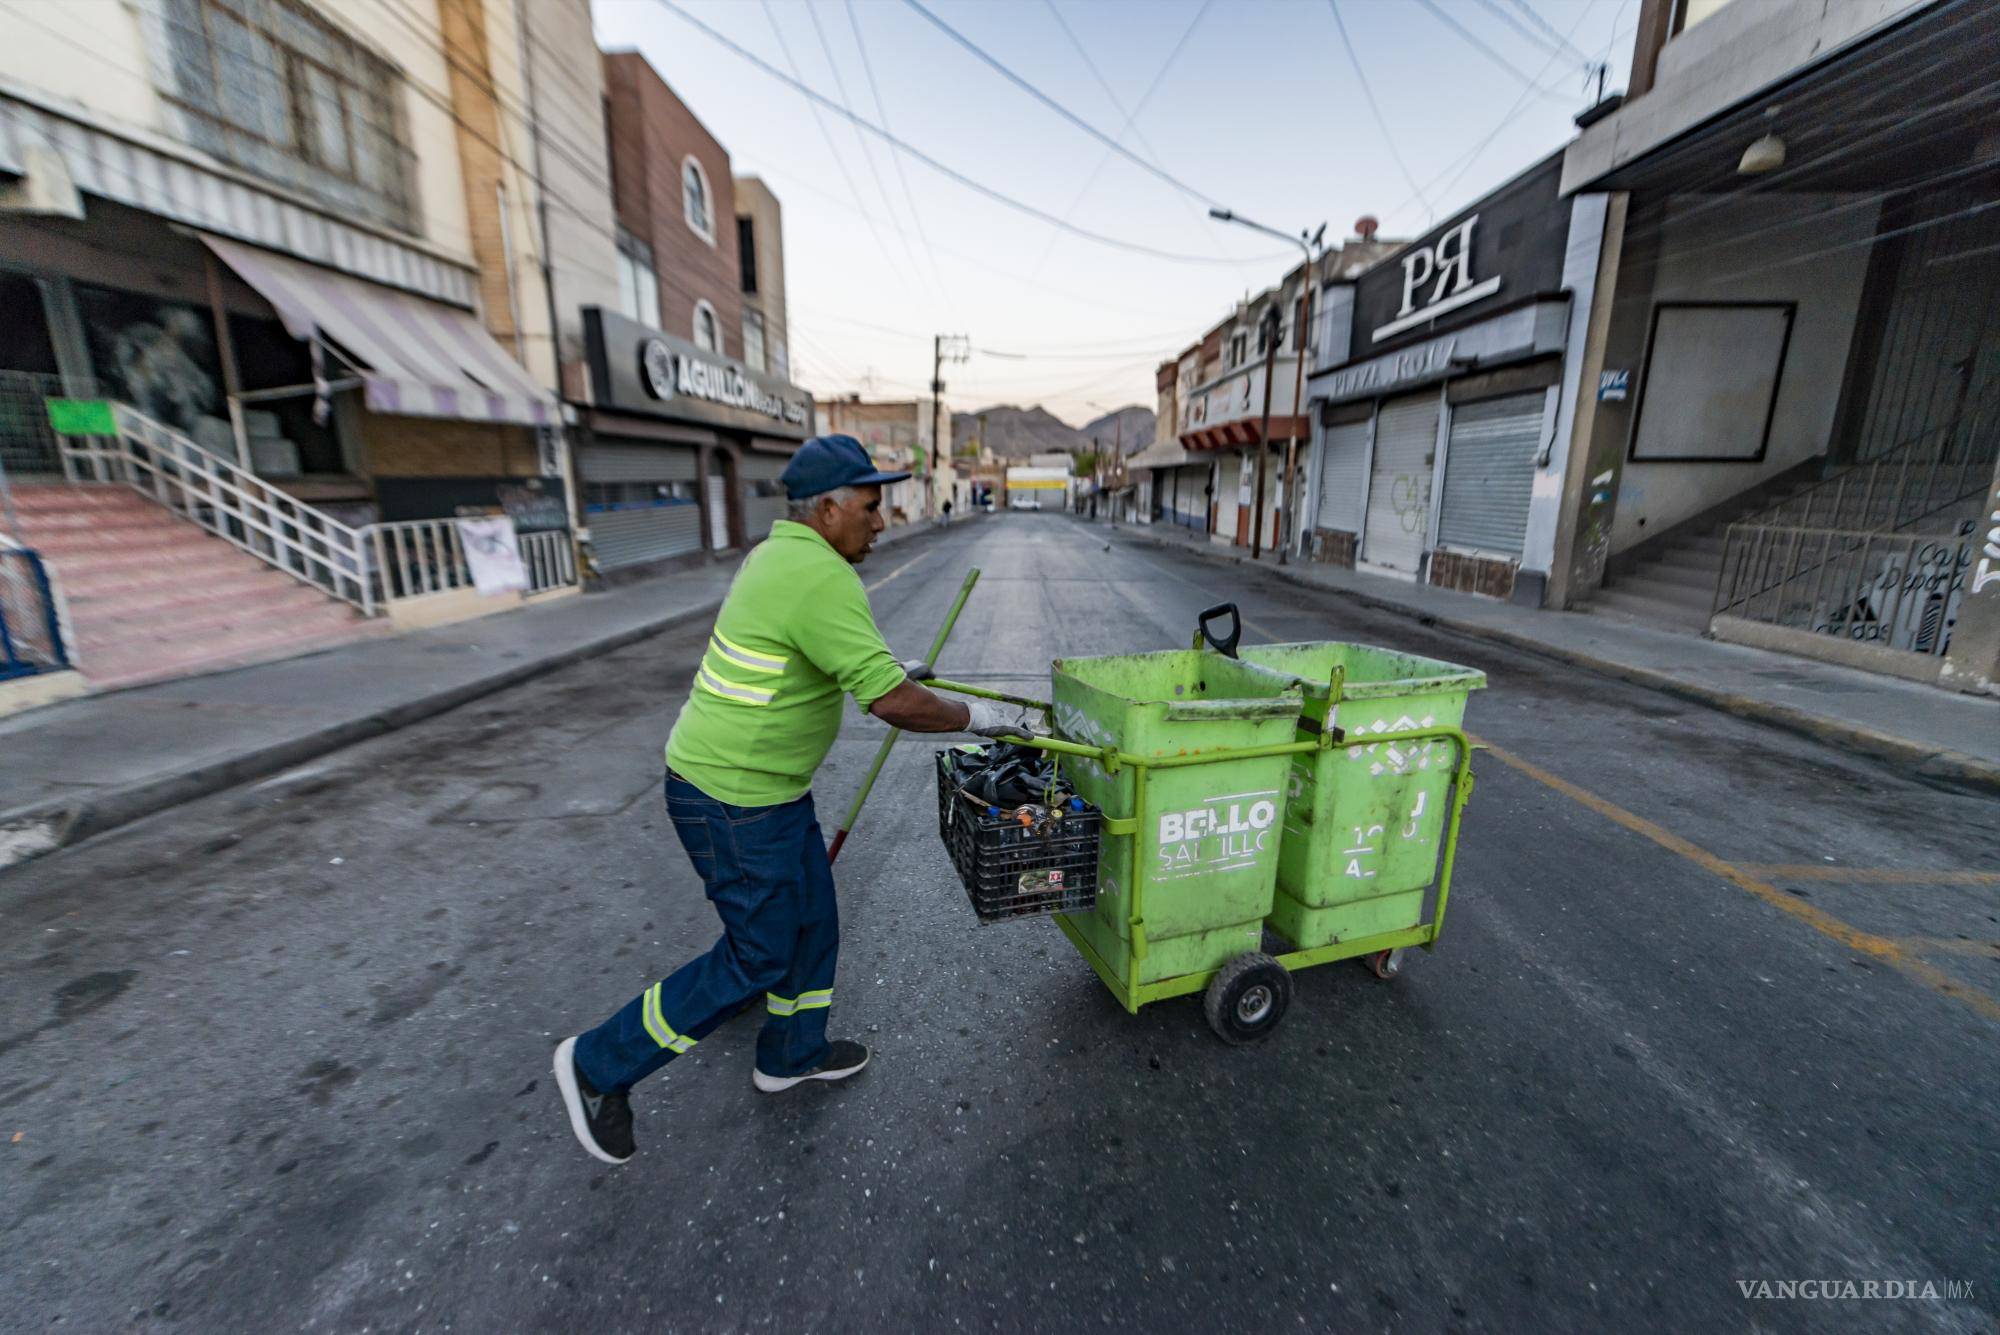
420, 358
1242, 432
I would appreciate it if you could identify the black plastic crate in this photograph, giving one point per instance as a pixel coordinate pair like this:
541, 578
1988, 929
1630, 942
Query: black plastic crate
1010, 870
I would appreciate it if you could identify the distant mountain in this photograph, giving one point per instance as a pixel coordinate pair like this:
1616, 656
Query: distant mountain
1013, 432
1131, 427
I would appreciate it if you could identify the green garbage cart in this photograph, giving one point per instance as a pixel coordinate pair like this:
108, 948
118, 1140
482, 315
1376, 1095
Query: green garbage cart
1193, 757
1366, 820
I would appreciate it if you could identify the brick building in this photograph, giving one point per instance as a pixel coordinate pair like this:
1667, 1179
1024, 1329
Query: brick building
682, 435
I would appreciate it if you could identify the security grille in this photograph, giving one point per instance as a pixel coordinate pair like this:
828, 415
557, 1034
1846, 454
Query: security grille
1489, 473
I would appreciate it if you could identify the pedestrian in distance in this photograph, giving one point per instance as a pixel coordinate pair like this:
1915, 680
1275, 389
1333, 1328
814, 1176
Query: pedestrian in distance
947, 512
793, 636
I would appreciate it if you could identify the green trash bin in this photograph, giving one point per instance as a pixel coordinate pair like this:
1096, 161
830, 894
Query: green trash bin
1365, 822
1208, 832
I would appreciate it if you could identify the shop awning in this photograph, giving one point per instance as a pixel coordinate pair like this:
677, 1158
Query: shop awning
420, 358
1244, 431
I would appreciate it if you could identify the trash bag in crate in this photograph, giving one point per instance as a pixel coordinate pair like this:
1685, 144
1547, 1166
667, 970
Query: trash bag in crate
1020, 840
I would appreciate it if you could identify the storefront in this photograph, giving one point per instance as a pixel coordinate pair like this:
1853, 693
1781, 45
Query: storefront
680, 450
1431, 458
370, 401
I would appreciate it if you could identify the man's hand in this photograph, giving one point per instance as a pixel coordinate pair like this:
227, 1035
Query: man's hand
992, 719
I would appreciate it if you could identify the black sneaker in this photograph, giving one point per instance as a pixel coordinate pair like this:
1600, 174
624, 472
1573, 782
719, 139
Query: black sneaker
842, 1060
602, 1122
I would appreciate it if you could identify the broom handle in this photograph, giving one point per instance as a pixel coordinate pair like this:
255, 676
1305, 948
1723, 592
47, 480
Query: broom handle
889, 742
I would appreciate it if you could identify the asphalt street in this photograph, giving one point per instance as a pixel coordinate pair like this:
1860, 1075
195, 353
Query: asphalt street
1715, 1004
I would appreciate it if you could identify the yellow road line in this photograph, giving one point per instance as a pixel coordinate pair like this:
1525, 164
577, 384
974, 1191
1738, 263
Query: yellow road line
1779, 871
1952, 945
1894, 953
1898, 954
897, 571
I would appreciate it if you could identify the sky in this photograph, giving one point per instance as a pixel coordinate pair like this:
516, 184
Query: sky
1250, 104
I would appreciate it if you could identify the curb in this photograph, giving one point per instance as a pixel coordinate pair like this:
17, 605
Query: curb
41, 828
1953, 768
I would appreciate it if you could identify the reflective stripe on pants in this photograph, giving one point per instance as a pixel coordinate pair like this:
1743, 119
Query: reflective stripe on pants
765, 870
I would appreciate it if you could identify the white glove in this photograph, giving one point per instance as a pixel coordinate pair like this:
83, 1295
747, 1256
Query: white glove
990, 718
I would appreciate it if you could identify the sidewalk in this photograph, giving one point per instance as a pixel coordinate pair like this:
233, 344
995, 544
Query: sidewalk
1938, 734
89, 765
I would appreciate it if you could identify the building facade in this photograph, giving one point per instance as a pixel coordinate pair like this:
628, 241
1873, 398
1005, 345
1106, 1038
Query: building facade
1796, 356
1444, 379
898, 434
680, 440
297, 246
760, 248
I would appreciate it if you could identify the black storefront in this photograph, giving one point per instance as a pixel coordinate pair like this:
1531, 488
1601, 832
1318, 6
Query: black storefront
678, 454
1434, 435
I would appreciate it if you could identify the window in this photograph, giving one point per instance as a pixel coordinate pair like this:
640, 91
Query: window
707, 333
696, 204
746, 250
271, 87
638, 283
753, 341
1239, 348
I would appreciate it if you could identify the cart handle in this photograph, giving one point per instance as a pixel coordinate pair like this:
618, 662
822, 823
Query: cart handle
1226, 646
961, 688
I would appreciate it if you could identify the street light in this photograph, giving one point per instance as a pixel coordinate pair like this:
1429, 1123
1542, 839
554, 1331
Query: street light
1307, 242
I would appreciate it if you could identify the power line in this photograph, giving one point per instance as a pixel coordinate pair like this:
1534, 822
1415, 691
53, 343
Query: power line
1549, 28
833, 152
1060, 109
1130, 120
1465, 160
1131, 125
1541, 41
951, 173
1482, 47
1381, 122
867, 155
784, 174
896, 158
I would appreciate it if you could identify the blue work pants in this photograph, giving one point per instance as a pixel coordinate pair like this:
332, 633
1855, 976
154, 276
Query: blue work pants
765, 869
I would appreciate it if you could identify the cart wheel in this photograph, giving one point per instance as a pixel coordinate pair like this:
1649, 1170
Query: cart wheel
1386, 964
1247, 998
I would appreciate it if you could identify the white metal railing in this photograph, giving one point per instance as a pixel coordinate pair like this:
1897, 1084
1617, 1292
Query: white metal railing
415, 558
368, 567
551, 560
233, 504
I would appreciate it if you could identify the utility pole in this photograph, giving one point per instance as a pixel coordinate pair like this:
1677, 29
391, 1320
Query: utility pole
1271, 323
1308, 244
944, 348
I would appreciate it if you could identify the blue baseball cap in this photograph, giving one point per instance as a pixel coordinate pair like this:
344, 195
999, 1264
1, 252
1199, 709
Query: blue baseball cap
825, 463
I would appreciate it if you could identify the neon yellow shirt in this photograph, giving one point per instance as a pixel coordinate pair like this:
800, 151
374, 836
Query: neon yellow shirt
793, 636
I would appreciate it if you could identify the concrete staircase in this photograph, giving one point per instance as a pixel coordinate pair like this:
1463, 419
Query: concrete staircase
1671, 584
151, 596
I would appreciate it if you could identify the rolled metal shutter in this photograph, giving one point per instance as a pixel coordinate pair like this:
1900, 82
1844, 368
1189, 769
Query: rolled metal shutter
1489, 473
632, 532
638, 463
1399, 485
763, 497
1343, 476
